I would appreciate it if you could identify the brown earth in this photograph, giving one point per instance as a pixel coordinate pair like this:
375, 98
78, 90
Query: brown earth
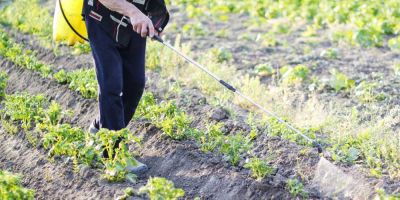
206, 175
199, 174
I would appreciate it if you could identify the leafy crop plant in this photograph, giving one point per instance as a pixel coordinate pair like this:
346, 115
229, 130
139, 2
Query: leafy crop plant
11, 187
161, 189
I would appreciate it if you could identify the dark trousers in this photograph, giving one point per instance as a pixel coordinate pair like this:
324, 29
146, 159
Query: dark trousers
120, 75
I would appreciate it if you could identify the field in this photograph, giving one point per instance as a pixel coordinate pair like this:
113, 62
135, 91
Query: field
329, 68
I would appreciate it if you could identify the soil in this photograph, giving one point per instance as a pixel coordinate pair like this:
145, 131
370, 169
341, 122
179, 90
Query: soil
199, 174
206, 175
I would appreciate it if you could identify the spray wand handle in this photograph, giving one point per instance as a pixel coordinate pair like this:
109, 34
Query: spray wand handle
157, 38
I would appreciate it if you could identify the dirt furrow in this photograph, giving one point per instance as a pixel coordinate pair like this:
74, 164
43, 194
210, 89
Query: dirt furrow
199, 174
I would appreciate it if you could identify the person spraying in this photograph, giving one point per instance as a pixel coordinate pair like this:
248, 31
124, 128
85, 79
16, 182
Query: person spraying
117, 32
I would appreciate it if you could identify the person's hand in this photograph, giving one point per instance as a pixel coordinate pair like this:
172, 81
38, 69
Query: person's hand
142, 24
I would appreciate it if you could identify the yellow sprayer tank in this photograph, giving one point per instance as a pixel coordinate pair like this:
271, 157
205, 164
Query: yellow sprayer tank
72, 10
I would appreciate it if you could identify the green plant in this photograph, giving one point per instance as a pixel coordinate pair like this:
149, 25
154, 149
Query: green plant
234, 146
222, 55
368, 37
61, 76
30, 19
118, 157
161, 189
346, 152
54, 113
264, 69
25, 108
3, 84
128, 192
394, 43
194, 29
366, 92
166, 116
295, 75
330, 53
63, 140
210, 139
11, 187
84, 81
259, 168
296, 188
396, 68
24, 58
81, 48
339, 81
275, 128
9, 127
384, 196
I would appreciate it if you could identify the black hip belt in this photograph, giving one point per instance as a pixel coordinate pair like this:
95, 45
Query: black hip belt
118, 26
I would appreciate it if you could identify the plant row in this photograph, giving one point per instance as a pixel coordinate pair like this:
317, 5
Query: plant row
84, 81
365, 23
40, 121
341, 149
165, 115
370, 138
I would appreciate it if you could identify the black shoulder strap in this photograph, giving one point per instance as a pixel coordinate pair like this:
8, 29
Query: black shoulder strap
69, 24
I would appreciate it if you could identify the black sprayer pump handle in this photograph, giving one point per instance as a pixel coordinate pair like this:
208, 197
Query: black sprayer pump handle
158, 38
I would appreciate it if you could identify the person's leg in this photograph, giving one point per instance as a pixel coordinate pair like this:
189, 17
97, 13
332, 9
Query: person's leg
109, 76
133, 74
